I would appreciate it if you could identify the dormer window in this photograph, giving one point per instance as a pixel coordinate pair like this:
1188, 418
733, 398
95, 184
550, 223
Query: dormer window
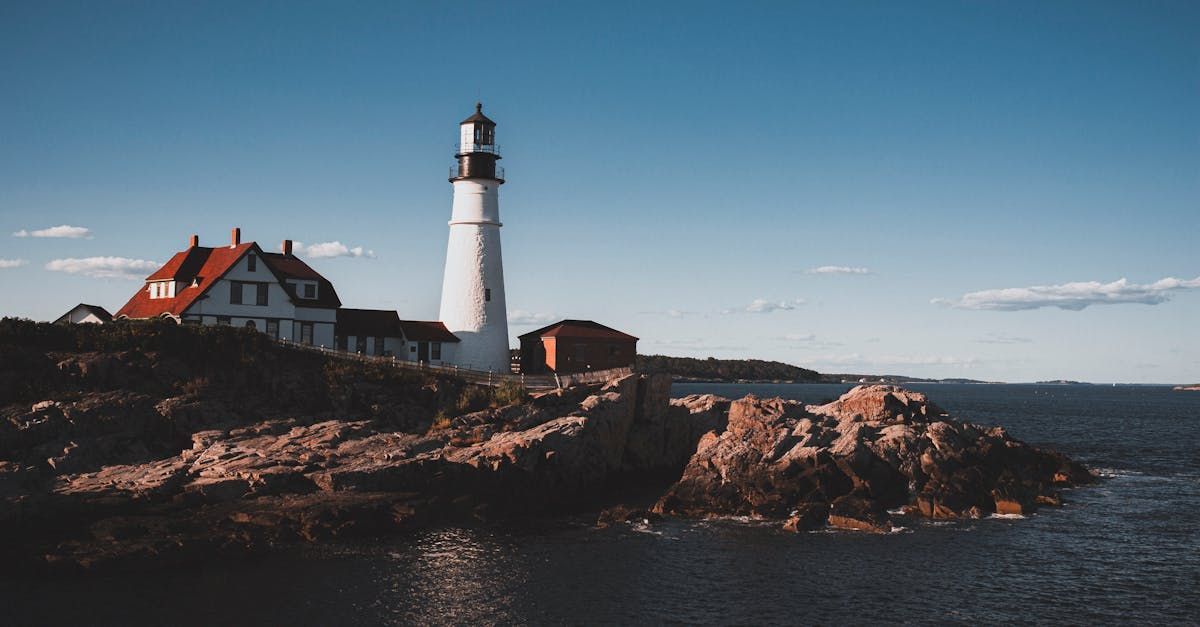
160, 289
303, 289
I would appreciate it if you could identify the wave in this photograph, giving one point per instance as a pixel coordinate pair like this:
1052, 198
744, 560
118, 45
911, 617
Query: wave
1009, 516
1118, 472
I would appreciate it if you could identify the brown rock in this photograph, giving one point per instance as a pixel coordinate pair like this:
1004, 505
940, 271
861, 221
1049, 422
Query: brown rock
807, 517
853, 512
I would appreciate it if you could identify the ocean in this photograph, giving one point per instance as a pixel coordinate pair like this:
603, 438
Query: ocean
1126, 550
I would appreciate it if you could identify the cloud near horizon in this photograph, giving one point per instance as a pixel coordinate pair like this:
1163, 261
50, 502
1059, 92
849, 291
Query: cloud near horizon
522, 318
1071, 296
329, 250
808, 341
838, 270
764, 306
1003, 338
61, 231
12, 263
105, 267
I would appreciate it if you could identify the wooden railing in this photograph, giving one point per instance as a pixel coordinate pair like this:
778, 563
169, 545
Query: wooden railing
480, 377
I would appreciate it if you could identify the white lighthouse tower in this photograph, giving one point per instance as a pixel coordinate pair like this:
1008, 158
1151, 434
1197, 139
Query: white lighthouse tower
473, 286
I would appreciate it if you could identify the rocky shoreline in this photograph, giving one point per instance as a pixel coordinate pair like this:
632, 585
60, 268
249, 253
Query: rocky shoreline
99, 474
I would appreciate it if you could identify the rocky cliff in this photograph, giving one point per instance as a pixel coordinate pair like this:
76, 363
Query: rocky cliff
175, 443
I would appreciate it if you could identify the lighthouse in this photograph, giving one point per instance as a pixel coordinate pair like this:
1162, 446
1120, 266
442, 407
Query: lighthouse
473, 286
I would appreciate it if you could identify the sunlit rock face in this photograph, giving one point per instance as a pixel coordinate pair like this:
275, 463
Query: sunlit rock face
875, 449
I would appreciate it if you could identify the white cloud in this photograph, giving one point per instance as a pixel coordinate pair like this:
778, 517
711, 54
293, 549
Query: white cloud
808, 341
670, 313
325, 250
1002, 338
12, 263
63, 230
837, 270
762, 306
105, 267
1071, 296
523, 318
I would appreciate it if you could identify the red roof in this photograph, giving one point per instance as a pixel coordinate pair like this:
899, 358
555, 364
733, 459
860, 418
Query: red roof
205, 266
291, 267
422, 331
579, 329
368, 322
200, 264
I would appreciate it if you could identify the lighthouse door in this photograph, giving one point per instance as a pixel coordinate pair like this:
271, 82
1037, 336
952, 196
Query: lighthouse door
423, 351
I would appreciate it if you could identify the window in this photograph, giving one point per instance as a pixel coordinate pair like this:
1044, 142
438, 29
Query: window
310, 290
580, 353
251, 263
154, 290
379, 346
306, 333
412, 349
273, 328
251, 325
235, 293
223, 321
360, 344
435, 351
261, 299
487, 294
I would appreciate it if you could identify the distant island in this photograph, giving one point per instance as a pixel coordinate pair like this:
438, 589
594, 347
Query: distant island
763, 371
726, 370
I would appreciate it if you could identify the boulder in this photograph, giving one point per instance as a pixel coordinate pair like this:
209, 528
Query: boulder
859, 513
874, 449
807, 517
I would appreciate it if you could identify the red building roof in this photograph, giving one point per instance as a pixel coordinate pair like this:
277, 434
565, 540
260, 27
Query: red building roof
368, 322
200, 267
423, 331
585, 329
291, 267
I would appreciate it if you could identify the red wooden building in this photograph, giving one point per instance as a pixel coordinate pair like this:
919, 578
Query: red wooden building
576, 346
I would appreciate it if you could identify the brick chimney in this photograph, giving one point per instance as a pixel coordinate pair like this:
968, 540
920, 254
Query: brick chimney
286, 247
235, 237
194, 242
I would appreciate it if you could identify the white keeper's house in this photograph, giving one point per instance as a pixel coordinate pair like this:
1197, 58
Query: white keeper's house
278, 294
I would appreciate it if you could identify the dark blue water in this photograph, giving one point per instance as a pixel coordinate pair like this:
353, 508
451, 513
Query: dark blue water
1127, 550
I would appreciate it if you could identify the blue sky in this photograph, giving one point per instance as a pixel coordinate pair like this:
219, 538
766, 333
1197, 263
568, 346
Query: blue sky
677, 171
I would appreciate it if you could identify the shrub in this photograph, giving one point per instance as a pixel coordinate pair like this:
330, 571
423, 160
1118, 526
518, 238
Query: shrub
509, 393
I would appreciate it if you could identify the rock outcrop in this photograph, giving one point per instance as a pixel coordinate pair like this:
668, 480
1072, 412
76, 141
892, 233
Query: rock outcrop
111, 457
849, 462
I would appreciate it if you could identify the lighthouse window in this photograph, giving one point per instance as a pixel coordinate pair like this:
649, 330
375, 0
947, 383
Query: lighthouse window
487, 294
